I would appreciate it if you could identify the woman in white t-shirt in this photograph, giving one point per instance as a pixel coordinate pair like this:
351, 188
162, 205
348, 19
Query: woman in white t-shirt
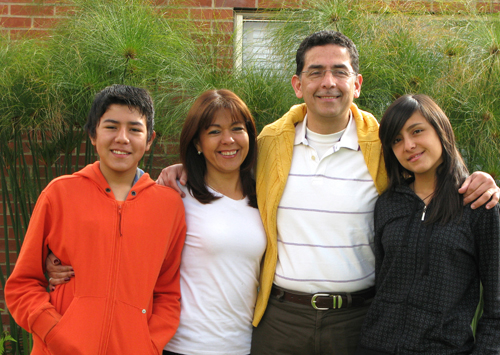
225, 238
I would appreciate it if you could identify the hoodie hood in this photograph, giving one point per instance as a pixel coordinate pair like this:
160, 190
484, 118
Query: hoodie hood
93, 172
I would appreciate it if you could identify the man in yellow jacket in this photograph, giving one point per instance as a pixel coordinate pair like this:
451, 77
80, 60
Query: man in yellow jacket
319, 173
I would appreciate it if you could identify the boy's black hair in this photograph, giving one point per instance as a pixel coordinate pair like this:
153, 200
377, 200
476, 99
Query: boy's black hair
323, 38
131, 96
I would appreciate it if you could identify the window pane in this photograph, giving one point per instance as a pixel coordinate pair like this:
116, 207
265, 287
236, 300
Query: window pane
257, 48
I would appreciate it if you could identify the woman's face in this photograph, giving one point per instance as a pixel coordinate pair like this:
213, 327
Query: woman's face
224, 145
418, 147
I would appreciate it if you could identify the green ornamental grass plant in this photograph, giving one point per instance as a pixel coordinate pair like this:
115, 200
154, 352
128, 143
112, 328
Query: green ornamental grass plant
47, 85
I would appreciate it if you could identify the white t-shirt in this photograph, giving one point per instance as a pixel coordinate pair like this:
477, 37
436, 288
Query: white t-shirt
220, 268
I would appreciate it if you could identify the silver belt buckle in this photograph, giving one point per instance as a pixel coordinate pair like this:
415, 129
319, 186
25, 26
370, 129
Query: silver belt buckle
336, 300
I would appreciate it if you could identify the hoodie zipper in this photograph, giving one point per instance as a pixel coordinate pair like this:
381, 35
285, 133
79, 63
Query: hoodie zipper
109, 309
120, 220
423, 213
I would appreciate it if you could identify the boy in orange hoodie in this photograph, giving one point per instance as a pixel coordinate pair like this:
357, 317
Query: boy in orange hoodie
122, 234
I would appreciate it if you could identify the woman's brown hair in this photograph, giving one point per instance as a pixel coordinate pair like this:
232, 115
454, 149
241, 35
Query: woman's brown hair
199, 117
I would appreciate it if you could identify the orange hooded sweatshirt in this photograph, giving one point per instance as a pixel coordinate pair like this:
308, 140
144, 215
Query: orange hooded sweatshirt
124, 298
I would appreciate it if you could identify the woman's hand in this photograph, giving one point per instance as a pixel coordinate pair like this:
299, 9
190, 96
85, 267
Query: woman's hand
58, 274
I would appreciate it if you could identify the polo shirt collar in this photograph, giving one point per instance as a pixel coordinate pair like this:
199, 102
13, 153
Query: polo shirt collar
348, 140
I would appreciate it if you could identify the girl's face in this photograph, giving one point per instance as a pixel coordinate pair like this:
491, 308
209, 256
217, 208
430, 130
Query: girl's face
224, 144
418, 147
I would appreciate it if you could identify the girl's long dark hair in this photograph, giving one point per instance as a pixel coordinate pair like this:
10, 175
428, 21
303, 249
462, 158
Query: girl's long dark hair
199, 117
446, 202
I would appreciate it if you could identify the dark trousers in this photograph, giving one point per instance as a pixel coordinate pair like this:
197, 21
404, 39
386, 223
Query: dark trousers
294, 329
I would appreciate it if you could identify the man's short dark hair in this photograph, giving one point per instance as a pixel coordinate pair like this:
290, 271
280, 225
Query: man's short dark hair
323, 38
130, 96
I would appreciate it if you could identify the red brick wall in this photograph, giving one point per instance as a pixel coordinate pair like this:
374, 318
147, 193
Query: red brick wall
35, 17
19, 17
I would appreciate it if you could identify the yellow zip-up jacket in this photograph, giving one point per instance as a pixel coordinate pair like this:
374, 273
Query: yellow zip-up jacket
273, 165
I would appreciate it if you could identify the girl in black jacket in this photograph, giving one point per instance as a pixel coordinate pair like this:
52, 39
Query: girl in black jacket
431, 251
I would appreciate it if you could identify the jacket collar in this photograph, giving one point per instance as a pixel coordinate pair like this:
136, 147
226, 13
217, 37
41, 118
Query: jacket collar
366, 123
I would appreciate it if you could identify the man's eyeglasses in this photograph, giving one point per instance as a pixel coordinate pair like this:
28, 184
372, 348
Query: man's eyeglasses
340, 74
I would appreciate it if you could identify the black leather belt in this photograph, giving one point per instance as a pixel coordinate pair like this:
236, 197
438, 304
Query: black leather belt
323, 301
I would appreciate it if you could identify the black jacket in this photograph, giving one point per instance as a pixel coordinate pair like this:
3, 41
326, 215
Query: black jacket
428, 280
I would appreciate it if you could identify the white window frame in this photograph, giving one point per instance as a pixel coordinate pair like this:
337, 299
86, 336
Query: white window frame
239, 19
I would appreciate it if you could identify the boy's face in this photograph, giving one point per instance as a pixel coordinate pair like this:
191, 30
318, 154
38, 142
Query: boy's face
121, 141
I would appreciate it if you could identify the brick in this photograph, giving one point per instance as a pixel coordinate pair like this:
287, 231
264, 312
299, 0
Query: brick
20, 1
223, 39
9, 220
179, 13
172, 148
226, 51
5, 317
410, 6
483, 7
31, 10
278, 4
236, 3
12, 256
15, 22
54, 2
43, 22
223, 14
202, 26
4, 10
201, 14
161, 2
224, 27
12, 245
192, 3
64, 10
4, 271
160, 145
374, 6
449, 6
29, 159
2, 234
224, 62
